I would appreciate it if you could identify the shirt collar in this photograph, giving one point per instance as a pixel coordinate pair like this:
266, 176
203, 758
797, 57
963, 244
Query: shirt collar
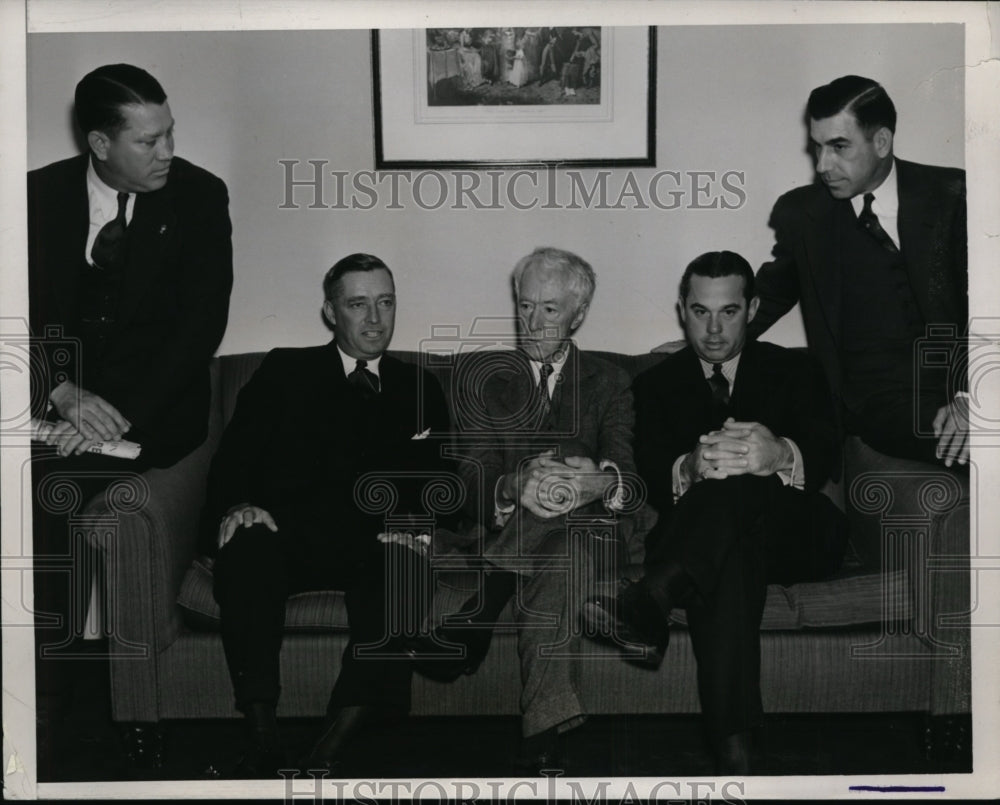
350, 364
103, 197
728, 368
886, 202
557, 362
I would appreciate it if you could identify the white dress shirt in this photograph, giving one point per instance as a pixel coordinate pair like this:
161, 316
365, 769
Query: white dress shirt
103, 201
350, 364
885, 205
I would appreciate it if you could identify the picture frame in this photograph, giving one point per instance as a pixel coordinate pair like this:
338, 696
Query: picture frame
429, 113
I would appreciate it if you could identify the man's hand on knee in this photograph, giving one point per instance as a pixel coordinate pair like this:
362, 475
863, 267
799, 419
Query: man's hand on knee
243, 515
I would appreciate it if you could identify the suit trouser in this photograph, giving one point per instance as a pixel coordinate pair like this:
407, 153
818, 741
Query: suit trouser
733, 537
553, 584
62, 487
886, 423
256, 572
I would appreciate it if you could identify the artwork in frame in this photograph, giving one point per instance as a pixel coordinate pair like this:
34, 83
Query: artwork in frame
514, 97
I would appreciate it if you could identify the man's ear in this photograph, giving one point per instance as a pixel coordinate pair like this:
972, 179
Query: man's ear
752, 308
578, 318
682, 311
99, 142
329, 313
883, 142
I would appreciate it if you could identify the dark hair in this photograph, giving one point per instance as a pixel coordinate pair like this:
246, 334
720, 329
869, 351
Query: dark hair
862, 97
353, 262
718, 264
102, 93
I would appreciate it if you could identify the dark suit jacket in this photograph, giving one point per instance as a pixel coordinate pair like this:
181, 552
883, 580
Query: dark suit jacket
174, 300
592, 416
808, 224
301, 436
782, 389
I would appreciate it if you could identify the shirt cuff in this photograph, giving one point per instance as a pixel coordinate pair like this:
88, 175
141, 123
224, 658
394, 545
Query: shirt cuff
616, 500
679, 486
796, 476
501, 511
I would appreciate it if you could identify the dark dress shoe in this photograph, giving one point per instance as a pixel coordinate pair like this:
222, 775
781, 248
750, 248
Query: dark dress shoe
435, 659
339, 732
630, 620
539, 752
259, 763
732, 755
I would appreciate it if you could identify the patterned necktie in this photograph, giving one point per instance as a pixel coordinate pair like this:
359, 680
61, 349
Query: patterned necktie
869, 220
542, 392
108, 252
719, 385
364, 379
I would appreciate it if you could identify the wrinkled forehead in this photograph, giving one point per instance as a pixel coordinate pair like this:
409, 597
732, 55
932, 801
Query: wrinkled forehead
548, 283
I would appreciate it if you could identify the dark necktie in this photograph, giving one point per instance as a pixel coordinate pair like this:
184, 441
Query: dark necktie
108, 252
869, 220
542, 392
363, 379
719, 386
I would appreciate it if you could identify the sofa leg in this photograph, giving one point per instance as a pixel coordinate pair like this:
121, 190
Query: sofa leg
143, 745
948, 738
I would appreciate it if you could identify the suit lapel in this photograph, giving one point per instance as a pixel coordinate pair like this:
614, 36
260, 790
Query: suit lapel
516, 397
917, 218
67, 238
749, 384
829, 217
151, 229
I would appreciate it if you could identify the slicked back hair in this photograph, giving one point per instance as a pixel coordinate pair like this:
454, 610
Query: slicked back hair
103, 92
583, 281
718, 264
353, 262
864, 98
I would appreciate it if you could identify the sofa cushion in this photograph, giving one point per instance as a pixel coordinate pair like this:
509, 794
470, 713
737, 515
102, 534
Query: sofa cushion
319, 611
849, 599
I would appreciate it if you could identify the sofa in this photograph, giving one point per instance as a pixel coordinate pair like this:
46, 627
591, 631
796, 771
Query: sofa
888, 633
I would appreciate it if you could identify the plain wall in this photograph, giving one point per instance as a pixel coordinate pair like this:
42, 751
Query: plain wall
729, 98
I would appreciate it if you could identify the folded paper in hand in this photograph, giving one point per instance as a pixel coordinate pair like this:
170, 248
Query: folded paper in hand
40, 429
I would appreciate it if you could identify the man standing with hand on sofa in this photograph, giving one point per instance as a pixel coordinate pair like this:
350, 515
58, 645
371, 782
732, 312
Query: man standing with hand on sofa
876, 252
283, 510
557, 438
734, 440
130, 268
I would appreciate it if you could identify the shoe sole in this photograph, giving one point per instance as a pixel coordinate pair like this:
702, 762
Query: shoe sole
601, 626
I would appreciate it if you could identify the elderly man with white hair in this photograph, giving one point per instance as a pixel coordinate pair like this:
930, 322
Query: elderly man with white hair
554, 432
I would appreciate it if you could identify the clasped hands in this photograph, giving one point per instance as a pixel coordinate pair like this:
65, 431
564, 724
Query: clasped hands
548, 486
738, 448
85, 418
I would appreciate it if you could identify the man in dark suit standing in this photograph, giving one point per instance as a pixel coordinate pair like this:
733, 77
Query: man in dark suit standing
734, 440
130, 270
876, 254
286, 513
545, 432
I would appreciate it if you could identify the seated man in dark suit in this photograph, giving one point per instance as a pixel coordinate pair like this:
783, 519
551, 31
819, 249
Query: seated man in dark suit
556, 438
734, 440
130, 268
285, 515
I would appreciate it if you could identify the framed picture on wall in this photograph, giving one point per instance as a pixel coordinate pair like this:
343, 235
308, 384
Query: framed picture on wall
514, 97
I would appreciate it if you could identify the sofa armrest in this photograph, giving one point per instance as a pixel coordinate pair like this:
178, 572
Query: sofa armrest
146, 530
